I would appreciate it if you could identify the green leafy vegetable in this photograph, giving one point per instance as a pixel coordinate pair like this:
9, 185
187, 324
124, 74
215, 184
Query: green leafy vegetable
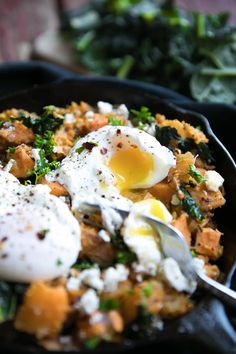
158, 42
195, 174
166, 135
109, 304
47, 121
114, 121
10, 297
193, 253
190, 206
142, 117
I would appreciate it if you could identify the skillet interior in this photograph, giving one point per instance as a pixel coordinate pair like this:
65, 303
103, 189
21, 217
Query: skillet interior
207, 325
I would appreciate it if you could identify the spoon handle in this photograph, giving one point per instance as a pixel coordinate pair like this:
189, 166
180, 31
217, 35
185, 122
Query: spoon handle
227, 295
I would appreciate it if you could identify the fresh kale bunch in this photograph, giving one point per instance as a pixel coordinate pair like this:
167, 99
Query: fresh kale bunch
187, 51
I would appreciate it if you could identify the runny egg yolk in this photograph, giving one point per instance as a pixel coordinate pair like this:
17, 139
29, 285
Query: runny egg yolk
151, 207
131, 167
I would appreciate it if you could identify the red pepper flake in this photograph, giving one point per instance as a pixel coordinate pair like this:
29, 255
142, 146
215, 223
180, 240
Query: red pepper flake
42, 234
103, 151
134, 146
118, 132
89, 145
3, 239
119, 145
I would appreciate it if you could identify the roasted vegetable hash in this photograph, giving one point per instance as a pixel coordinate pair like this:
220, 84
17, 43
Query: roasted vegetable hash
74, 279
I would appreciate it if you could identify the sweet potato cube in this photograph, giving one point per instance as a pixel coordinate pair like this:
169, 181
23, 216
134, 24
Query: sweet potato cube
44, 310
208, 243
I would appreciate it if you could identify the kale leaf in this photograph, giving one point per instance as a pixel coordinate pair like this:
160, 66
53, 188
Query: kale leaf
190, 206
166, 135
47, 121
10, 297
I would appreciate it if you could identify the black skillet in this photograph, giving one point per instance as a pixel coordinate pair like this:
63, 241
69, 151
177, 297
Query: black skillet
206, 328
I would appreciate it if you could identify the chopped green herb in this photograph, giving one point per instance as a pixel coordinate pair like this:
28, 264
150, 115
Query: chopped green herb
109, 304
80, 149
44, 166
190, 206
142, 117
83, 264
147, 290
195, 174
92, 343
27, 182
46, 142
2, 123
11, 150
125, 257
193, 253
114, 121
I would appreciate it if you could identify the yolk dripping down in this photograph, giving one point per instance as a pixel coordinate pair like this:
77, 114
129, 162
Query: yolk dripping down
131, 167
153, 208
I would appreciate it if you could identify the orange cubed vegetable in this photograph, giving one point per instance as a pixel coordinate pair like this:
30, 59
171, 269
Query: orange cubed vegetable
208, 243
43, 311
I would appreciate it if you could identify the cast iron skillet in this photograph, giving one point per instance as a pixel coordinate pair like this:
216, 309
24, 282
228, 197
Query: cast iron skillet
207, 326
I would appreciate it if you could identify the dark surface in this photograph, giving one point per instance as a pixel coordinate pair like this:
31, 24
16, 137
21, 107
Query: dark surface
207, 328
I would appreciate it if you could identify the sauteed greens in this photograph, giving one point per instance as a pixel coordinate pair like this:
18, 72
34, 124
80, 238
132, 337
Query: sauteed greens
187, 51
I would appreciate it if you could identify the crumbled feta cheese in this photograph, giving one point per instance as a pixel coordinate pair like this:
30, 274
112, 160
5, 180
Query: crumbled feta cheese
69, 118
89, 302
35, 155
213, 180
89, 115
113, 275
73, 283
104, 107
123, 111
96, 318
150, 129
175, 200
9, 165
91, 277
175, 277
104, 235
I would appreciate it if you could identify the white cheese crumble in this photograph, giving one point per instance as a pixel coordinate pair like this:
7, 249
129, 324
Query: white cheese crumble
9, 165
172, 273
91, 277
89, 115
175, 200
104, 107
73, 283
122, 110
198, 265
88, 303
104, 235
213, 180
35, 156
113, 275
69, 118
150, 129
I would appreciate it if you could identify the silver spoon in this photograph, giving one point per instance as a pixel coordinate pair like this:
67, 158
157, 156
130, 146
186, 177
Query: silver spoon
174, 245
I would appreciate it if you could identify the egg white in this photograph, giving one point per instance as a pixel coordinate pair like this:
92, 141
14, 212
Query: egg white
39, 236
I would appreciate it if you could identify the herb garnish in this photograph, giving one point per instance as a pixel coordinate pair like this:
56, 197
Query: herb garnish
125, 257
11, 150
46, 142
43, 166
89, 145
83, 264
114, 121
109, 304
142, 117
147, 290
